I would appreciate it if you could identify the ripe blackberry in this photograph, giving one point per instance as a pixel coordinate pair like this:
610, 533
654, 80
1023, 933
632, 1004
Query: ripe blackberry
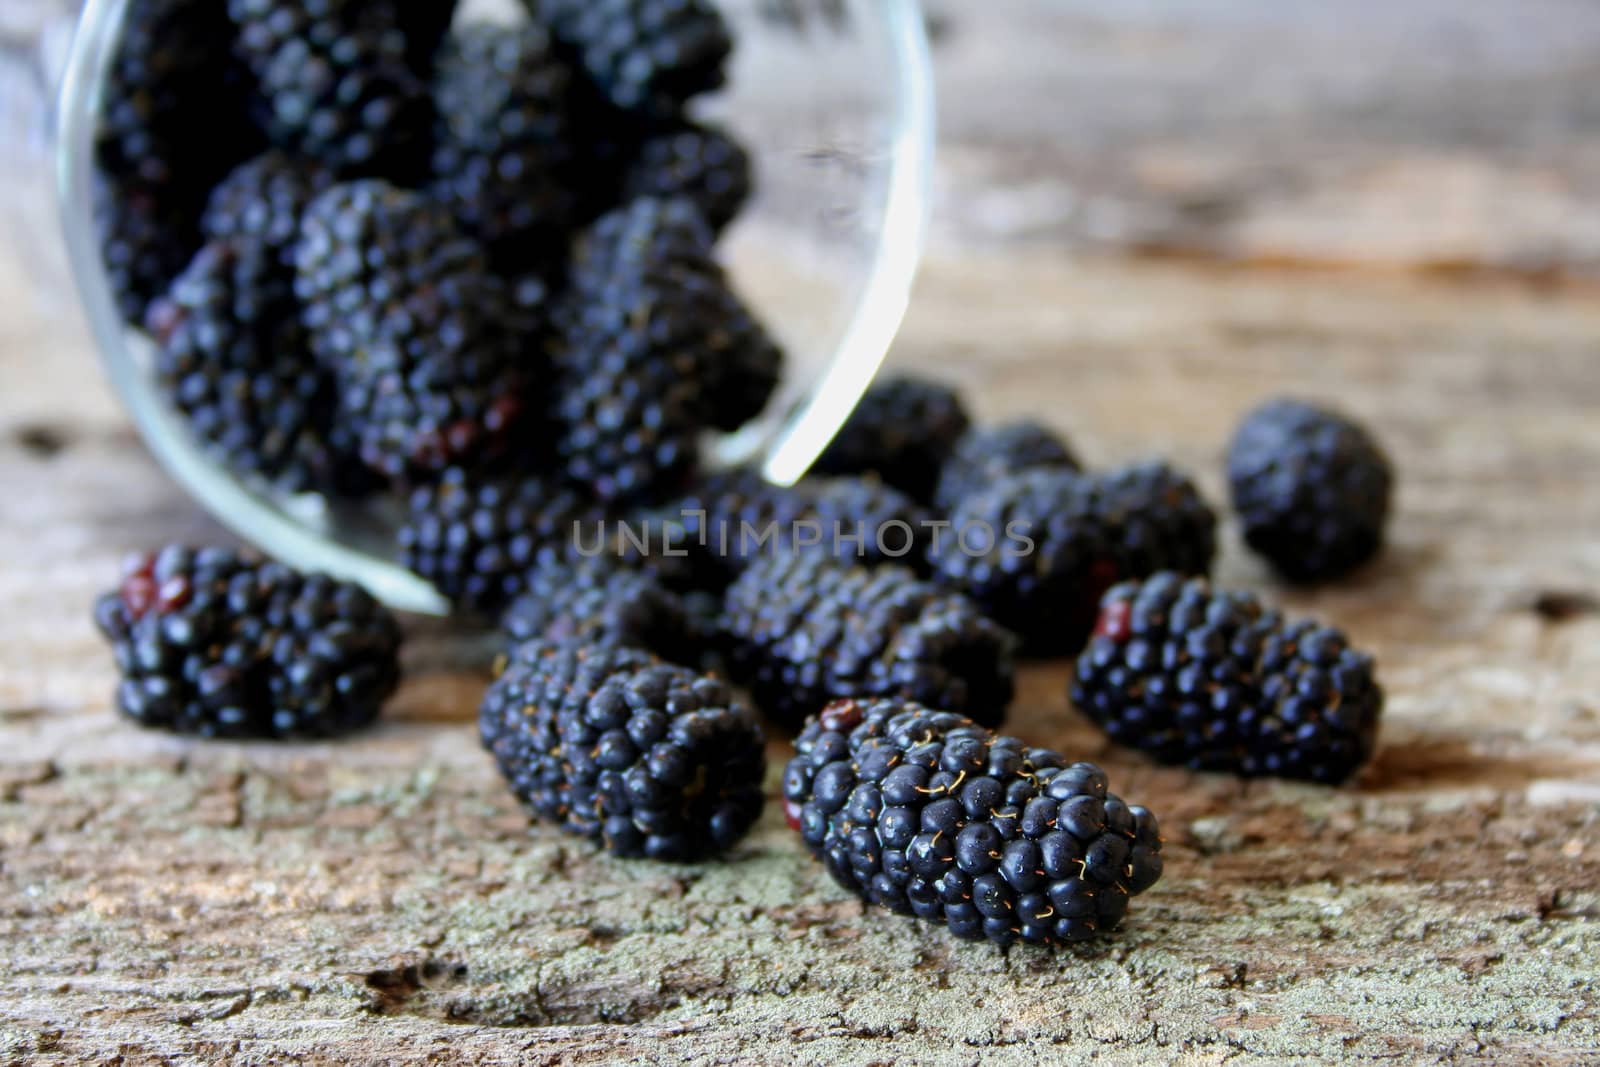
220, 644
477, 540
862, 520
147, 236
702, 164
1164, 522
648, 235
648, 56
902, 431
1312, 489
986, 454
611, 744
928, 814
602, 601
230, 357
728, 517
1035, 552
1214, 681
335, 81
265, 199
804, 630
419, 335
502, 142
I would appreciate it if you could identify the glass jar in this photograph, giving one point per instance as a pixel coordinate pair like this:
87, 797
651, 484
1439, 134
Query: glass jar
834, 100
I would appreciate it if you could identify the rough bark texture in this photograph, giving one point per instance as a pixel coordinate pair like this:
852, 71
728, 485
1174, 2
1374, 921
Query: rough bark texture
384, 901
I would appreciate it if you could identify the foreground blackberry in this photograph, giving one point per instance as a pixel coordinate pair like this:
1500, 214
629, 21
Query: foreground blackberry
1214, 681
803, 630
603, 601
478, 539
986, 454
902, 431
502, 145
647, 56
419, 335
927, 813
230, 357
1312, 489
219, 644
611, 744
265, 199
700, 163
335, 81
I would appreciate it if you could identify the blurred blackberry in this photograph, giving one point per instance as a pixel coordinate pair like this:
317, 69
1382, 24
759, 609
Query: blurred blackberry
425, 24
219, 644
603, 601
335, 82
502, 144
700, 163
147, 236
477, 540
902, 431
861, 520
1214, 681
230, 356
1164, 522
610, 744
1312, 489
1035, 551
929, 814
648, 235
170, 75
419, 335
727, 517
264, 199
648, 56
804, 630
986, 454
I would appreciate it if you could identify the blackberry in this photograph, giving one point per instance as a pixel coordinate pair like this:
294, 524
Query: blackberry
902, 431
612, 745
335, 81
702, 164
502, 143
728, 517
1214, 681
147, 236
230, 357
477, 540
418, 333
602, 601
929, 814
1164, 522
648, 235
265, 199
803, 630
986, 454
647, 56
865, 521
219, 644
1312, 489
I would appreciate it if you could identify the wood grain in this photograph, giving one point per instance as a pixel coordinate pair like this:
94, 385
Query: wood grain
383, 901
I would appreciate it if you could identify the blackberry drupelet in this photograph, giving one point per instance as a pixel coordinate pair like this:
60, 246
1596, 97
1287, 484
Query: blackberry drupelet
335, 81
612, 745
230, 357
1035, 551
265, 199
703, 164
503, 147
803, 630
603, 601
928, 814
421, 338
902, 431
647, 56
986, 454
477, 539
1312, 489
1214, 681
1164, 522
147, 236
220, 644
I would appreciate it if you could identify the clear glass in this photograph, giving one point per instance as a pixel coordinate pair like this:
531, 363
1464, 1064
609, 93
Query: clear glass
834, 98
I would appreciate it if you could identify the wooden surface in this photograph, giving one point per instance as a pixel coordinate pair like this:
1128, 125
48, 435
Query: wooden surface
383, 901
